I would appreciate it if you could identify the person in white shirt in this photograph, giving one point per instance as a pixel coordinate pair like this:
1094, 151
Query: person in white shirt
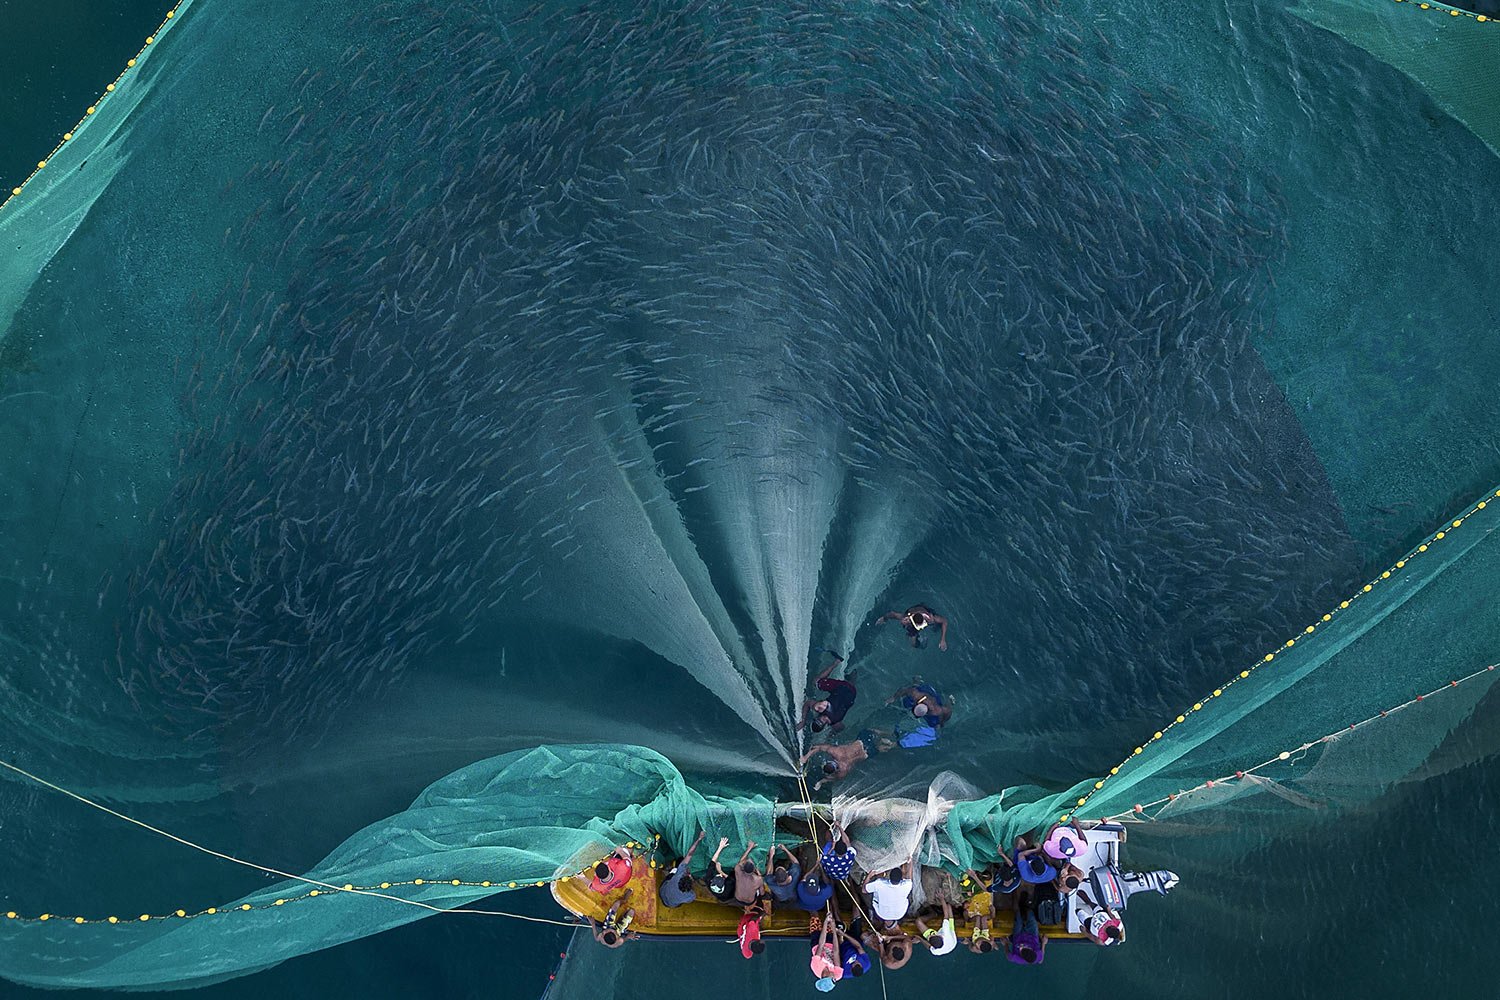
942, 939
890, 894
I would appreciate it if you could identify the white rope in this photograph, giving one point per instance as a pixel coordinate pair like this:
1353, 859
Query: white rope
263, 868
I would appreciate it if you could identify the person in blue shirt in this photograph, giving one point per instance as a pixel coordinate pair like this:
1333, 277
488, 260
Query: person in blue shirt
813, 891
838, 854
781, 880
852, 956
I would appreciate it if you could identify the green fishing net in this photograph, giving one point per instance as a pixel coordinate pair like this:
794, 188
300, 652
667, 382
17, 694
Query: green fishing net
635, 632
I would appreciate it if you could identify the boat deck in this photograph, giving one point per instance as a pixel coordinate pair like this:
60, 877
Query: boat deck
708, 919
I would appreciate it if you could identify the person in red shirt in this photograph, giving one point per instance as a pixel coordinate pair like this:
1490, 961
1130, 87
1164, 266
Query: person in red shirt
830, 711
613, 872
749, 929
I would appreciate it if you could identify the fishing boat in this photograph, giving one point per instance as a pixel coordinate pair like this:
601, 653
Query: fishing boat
705, 919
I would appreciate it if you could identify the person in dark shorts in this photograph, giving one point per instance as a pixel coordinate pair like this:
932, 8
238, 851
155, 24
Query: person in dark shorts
829, 712
914, 620
1026, 944
615, 930
843, 756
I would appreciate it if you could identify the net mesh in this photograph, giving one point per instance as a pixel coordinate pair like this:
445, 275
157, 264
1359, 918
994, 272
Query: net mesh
733, 512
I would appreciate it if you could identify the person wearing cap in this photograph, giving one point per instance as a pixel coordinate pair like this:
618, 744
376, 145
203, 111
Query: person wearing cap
781, 880
677, 883
721, 883
1102, 924
826, 969
1064, 842
914, 620
943, 938
748, 931
890, 893
829, 712
612, 872
615, 930
813, 891
749, 883
838, 854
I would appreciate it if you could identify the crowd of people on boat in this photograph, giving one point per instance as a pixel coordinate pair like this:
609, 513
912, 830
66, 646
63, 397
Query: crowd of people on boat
857, 917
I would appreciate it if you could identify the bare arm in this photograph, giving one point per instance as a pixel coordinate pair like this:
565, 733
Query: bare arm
904, 692
942, 624
723, 843
689, 855
851, 939
748, 848
888, 616
827, 671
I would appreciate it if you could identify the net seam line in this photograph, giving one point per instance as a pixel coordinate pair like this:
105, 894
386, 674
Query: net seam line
1287, 755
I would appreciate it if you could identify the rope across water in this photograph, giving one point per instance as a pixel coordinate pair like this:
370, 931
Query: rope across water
320, 886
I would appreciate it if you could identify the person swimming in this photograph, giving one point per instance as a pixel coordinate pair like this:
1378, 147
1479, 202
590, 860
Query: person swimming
843, 756
930, 709
829, 712
915, 620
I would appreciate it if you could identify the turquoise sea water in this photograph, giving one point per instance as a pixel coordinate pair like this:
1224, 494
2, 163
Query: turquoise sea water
1129, 338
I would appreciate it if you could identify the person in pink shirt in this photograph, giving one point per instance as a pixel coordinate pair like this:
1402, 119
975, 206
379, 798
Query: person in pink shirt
825, 955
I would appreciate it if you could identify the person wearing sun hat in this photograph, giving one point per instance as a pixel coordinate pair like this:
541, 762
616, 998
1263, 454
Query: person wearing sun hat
1064, 842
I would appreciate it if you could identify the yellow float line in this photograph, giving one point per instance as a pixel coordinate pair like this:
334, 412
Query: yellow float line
1421, 549
327, 889
1450, 11
109, 89
130, 64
